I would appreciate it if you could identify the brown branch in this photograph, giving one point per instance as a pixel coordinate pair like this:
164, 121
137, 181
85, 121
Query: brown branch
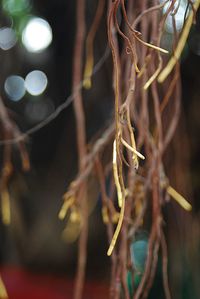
164, 266
89, 45
81, 145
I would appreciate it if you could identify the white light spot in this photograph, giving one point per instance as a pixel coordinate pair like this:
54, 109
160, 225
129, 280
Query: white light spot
36, 82
37, 35
180, 10
14, 88
179, 20
7, 38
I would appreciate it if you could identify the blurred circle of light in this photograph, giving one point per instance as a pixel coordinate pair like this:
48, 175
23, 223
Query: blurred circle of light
36, 111
7, 38
179, 17
37, 35
16, 7
36, 82
15, 88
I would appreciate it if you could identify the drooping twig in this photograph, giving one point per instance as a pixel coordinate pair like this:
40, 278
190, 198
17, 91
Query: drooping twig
89, 45
139, 123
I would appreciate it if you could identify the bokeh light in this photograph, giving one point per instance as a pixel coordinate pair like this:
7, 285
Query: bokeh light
7, 38
37, 35
15, 7
36, 82
179, 10
15, 88
36, 111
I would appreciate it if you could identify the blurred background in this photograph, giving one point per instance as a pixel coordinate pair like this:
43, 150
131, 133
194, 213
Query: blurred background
38, 257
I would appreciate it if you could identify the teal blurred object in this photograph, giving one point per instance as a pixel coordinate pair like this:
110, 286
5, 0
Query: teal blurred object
129, 283
139, 250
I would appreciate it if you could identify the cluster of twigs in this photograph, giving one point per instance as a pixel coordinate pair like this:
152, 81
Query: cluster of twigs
147, 106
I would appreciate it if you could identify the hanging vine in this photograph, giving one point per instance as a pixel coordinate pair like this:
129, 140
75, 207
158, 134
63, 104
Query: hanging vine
138, 132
